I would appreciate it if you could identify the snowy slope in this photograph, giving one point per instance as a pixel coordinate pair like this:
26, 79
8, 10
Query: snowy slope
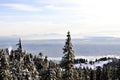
94, 65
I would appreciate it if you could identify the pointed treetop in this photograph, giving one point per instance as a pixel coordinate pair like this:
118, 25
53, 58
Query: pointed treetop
68, 36
68, 33
19, 45
68, 44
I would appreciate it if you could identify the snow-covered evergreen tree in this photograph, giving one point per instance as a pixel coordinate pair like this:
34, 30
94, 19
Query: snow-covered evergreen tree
5, 73
68, 59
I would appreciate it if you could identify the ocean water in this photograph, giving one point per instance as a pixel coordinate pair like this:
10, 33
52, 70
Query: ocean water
53, 48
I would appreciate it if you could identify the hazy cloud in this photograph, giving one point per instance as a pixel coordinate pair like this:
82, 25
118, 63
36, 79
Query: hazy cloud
23, 7
83, 17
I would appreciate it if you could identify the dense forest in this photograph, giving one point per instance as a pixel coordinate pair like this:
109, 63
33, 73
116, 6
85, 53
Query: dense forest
20, 65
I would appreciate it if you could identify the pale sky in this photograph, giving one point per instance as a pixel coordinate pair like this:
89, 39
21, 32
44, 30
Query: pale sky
81, 17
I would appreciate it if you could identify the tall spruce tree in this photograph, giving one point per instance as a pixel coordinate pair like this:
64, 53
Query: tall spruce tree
68, 59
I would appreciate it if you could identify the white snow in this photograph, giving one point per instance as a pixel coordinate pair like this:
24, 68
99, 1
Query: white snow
92, 66
9, 49
93, 58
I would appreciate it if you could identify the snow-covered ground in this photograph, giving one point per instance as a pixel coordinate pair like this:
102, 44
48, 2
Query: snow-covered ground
94, 65
88, 58
93, 58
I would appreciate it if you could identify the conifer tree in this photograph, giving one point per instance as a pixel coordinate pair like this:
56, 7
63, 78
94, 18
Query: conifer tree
19, 46
30, 67
98, 73
51, 74
68, 59
118, 70
4, 67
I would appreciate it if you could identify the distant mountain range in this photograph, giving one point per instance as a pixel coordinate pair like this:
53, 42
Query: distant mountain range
86, 40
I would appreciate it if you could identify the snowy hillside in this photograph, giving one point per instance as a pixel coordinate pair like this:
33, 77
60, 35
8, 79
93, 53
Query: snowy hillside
94, 65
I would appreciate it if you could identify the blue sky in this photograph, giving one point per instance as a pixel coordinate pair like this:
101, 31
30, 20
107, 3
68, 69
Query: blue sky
82, 17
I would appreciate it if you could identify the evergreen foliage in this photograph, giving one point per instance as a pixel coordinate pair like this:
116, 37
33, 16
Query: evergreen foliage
19, 65
68, 59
